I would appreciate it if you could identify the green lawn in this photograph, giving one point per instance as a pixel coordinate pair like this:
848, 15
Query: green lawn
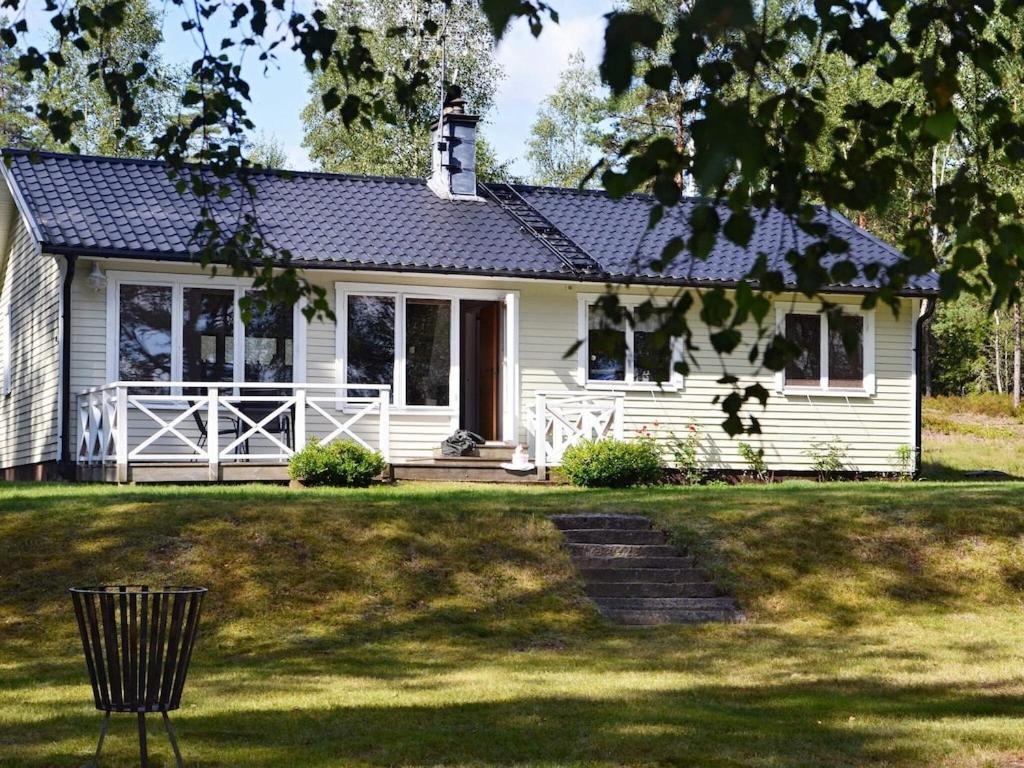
441, 625
979, 433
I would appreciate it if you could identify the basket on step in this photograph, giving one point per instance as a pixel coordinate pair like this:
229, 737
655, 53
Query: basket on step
138, 643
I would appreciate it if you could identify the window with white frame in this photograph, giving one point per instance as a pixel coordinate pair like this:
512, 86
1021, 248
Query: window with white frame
401, 339
165, 328
837, 352
622, 353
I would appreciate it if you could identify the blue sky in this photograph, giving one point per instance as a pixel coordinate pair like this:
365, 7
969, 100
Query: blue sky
531, 66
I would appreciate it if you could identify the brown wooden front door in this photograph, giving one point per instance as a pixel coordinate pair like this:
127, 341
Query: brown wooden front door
480, 364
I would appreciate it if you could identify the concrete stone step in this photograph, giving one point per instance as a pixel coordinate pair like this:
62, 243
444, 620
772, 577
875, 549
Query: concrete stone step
485, 452
613, 536
600, 520
642, 575
666, 603
639, 589
676, 562
470, 471
651, 618
621, 550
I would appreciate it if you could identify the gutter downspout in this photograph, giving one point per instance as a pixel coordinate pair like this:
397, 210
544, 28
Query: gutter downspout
66, 468
919, 394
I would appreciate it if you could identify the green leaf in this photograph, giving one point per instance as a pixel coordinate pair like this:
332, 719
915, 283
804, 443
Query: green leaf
622, 35
941, 124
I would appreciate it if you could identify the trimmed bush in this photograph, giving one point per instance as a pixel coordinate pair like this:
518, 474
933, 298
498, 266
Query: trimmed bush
341, 463
612, 463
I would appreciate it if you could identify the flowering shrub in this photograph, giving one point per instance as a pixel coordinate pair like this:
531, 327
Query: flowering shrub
686, 454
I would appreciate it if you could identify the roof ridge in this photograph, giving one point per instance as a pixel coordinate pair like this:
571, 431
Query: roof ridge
280, 172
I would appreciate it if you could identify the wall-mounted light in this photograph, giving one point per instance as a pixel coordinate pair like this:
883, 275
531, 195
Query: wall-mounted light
97, 279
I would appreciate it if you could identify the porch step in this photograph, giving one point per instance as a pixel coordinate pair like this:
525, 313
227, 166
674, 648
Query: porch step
466, 470
635, 577
487, 452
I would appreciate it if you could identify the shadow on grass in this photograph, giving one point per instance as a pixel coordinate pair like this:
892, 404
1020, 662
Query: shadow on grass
410, 588
856, 722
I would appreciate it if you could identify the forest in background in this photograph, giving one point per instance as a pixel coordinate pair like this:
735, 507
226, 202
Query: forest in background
970, 348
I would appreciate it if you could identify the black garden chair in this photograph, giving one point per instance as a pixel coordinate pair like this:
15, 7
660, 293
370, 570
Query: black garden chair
231, 430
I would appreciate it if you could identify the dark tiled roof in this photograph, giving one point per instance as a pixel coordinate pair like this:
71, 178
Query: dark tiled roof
616, 234
95, 205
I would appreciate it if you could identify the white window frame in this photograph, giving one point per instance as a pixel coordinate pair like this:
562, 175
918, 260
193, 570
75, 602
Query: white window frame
823, 389
509, 353
675, 381
7, 350
178, 284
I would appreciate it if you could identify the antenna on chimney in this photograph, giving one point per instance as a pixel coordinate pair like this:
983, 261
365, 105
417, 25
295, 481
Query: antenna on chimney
442, 91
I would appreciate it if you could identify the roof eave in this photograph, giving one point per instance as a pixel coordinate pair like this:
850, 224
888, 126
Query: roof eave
603, 278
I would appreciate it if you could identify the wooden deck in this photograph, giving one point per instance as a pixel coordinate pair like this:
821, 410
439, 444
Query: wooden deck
465, 470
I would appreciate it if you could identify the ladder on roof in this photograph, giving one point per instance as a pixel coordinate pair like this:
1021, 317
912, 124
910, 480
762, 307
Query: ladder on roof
567, 251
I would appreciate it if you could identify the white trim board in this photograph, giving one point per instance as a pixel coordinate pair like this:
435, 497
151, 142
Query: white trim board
510, 344
178, 282
675, 382
824, 390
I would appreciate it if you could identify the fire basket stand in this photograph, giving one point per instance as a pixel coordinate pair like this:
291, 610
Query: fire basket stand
138, 644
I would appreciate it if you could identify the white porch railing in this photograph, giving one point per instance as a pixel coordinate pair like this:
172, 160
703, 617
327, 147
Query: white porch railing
215, 424
563, 419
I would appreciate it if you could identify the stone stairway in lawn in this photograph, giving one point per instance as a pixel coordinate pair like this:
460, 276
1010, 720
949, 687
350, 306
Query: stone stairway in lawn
635, 577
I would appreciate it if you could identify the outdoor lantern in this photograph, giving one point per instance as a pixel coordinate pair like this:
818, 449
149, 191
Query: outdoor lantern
97, 279
138, 644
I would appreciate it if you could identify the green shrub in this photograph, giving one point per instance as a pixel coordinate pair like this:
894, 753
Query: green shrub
612, 463
755, 461
903, 461
341, 463
828, 459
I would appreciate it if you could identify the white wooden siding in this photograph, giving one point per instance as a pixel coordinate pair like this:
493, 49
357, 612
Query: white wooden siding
871, 428
29, 411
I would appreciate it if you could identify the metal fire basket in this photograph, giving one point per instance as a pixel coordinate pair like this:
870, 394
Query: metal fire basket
138, 643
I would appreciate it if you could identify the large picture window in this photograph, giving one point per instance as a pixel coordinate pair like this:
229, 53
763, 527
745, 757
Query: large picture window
428, 354
623, 354
208, 334
370, 337
144, 346
269, 343
183, 329
837, 354
401, 340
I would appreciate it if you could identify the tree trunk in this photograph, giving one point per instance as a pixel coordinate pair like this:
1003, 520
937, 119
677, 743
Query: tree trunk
1016, 355
998, 355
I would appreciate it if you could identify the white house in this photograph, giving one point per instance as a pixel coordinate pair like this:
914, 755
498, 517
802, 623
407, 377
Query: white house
456, 303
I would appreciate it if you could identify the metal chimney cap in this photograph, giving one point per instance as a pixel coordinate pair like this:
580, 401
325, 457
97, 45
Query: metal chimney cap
454, 103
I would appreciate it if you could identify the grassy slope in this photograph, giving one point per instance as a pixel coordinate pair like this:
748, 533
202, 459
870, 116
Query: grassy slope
426, 625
